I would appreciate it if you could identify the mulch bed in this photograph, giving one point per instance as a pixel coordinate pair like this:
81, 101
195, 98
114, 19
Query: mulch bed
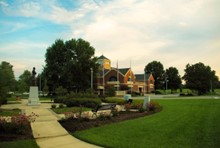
15, 137
73, 124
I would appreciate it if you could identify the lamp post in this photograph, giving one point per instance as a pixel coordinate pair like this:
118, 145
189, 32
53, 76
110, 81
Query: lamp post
144, 83
40, 81
91, 78
166, 84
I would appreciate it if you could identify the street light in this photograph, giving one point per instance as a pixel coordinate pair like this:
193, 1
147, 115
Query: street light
166, 84
91, 78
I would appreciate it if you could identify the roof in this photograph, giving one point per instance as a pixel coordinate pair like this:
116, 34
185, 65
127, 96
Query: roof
102, 57
100, 72
140, 77
123, 70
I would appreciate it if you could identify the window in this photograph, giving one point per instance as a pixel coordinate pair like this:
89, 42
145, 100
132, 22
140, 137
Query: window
112, 78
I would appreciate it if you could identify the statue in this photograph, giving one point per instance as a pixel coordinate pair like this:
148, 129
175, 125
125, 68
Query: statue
33, 77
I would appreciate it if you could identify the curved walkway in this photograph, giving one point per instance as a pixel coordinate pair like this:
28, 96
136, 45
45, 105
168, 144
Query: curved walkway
47, 131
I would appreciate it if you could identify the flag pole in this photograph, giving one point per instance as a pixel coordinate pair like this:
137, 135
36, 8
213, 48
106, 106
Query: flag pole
103, 81
118, 81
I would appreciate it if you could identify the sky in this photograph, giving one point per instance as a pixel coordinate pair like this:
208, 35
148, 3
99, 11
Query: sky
132, 32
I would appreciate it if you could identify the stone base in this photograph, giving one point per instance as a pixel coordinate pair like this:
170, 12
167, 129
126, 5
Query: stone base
33, 99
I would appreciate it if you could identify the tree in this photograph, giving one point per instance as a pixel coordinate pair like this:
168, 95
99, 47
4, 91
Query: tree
156, 68
174, 79
7, 80
199, 77
24, 81
68, 64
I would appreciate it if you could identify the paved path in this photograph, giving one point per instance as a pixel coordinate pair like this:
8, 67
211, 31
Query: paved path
47, 131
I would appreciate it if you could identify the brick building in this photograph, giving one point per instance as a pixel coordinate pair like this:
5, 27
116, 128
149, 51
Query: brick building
122, 79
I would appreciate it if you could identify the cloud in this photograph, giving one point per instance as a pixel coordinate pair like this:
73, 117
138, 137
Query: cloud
23, 55
4, 4
173, 32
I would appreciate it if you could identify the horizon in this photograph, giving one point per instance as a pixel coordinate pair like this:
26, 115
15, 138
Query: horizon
132, 32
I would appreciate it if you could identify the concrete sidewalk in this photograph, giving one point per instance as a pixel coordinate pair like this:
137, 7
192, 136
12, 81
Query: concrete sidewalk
47, 131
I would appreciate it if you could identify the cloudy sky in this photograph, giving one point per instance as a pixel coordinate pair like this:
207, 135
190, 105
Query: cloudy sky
174, 32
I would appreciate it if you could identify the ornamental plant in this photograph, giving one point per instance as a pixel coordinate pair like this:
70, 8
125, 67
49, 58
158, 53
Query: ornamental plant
19, 124
153, 106
128, 106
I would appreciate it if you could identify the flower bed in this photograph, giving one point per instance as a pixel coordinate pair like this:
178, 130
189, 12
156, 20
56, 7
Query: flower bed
18, 127
78, 124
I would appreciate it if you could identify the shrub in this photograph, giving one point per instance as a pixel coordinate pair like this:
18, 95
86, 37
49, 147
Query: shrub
114, 100
110, 92
114, 112
141, 110
157, 92
60, 91
61, 106
153, 106
3, 96
20, 124
90, 103
128, 106
53, 106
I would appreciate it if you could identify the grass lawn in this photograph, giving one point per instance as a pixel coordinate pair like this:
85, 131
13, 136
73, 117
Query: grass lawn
19, 144
9, 112
182, 123
69, 109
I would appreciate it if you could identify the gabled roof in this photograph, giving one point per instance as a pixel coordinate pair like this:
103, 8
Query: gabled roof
123, 70
140, 77
102, 57
100, 72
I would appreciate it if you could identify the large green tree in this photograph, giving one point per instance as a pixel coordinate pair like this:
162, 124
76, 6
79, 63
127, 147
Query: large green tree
7, 80
157, 70
24, 81
68, 64
200, 78
173, 78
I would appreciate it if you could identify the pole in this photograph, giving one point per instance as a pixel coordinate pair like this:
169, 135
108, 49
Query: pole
144, 83
103, 83
40, 82
166, 85
91, 78
118, 81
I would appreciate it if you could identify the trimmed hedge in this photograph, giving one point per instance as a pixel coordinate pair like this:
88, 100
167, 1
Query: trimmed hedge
114, 100
90, 103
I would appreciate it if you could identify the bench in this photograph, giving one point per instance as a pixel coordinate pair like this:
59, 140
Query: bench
109, 106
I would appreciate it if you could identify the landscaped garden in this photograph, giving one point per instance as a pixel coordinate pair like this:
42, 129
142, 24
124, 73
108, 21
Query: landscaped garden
182, 123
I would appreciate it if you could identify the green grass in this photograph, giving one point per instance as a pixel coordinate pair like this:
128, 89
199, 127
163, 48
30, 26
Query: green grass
19, 144
182, 123
9, 112
69, 109
45, 99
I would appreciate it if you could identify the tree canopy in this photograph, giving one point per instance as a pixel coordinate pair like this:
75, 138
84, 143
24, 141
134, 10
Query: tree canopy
24, 81
156, 68
174, 79
200, 78
7, 80
68, 64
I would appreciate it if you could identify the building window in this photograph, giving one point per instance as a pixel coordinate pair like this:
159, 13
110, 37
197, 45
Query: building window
112, 79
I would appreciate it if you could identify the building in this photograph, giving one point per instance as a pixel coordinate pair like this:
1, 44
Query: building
122, 78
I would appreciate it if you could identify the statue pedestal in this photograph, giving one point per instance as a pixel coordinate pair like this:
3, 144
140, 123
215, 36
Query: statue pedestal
33, 99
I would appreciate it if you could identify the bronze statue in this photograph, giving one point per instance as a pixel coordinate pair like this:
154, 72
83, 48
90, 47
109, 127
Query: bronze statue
33, 77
